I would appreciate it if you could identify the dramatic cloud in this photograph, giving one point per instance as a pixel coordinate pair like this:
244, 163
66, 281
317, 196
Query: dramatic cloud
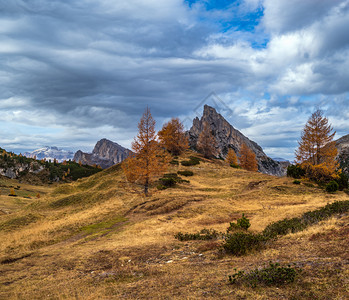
73, 72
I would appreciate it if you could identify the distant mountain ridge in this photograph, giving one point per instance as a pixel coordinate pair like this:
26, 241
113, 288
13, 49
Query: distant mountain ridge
105, 154
50, 153
228, 137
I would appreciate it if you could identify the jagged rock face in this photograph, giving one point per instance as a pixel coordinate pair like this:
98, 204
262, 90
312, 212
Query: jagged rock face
342, 145
228, 137
105, 154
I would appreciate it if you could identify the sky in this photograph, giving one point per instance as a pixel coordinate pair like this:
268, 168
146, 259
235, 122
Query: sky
75, 71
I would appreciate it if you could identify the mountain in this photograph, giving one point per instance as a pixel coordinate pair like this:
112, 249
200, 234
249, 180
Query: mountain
342, 145
228, 137
50, 153
105, 154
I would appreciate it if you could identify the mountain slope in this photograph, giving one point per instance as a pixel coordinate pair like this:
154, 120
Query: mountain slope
100, 238
228, 137
105, 154
342, 145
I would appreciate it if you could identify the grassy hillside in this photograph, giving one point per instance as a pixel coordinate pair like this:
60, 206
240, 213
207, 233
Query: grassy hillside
99, 237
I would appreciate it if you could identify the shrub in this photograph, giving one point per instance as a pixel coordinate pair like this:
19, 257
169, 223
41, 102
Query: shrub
235, 166
283, 227
170, 180
161, 187
204, 234
342, 181
241, 243
332, 186
274, 274
242, 223
295, 171
296, 181
185, 173
286, 226
174, 162
191, 162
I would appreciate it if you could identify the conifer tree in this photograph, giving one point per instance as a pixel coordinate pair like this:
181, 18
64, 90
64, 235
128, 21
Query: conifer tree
231, 158
317, 151
206, 142
248, 159
173, 138
150, 159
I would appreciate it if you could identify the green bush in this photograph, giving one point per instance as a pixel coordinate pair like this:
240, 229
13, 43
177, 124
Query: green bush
240, 243
170, 180
167, 182
332, 186
185, 173
296, 181
342, 181
204, 234
295, 171
272, 275
235, 166
286, 226
242, 223
283, 227
174, 162
191, 162
161, 187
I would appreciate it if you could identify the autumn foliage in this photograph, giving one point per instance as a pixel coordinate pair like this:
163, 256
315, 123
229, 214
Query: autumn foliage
207, 142
317, 152
231, 158
248, 158
172, 137
150, 159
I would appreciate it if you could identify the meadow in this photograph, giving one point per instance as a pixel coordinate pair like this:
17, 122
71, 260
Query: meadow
101, 238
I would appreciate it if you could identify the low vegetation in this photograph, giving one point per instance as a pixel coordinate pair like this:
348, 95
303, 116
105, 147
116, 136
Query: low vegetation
272, 275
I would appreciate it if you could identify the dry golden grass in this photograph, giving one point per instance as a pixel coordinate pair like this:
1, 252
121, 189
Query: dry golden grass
100, 238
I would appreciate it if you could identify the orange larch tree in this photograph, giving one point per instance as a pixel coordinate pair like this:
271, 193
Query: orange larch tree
317, 151
231, 158
248, 159
150, 159
172, 137
206, 142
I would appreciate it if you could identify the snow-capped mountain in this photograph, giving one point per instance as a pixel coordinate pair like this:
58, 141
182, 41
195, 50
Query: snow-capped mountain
50, 153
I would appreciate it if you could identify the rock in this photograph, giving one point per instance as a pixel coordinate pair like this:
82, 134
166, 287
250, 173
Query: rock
228, 137
105, 154
342, 146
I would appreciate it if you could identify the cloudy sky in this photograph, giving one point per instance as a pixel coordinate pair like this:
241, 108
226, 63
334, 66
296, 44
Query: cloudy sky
75, 71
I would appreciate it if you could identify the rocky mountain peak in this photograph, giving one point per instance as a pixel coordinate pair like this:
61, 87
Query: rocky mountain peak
228, 137
105, 154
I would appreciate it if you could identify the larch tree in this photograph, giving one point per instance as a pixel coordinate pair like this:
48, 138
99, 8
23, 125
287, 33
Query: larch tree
317, 152
206, 142
248, 159
150, 159
231, 158
172, 137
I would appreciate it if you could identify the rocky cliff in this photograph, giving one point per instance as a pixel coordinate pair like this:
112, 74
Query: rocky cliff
342, 145
105, 154
228, 137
